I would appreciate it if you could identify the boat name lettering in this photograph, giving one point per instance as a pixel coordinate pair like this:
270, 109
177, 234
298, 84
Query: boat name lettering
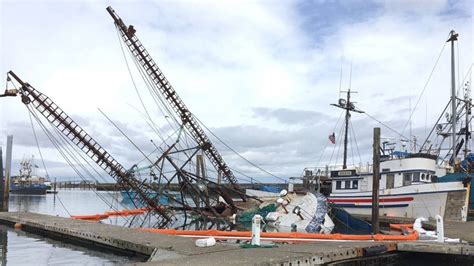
343, 173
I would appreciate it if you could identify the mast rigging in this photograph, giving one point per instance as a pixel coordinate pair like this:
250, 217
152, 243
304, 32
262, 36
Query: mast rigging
157, 77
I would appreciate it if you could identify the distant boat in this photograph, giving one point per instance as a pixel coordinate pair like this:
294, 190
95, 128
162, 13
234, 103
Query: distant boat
27, 183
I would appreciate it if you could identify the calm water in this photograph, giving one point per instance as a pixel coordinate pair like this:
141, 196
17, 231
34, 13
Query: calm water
21, 248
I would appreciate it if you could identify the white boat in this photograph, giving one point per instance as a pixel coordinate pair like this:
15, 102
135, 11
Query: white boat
407, 189
408, 186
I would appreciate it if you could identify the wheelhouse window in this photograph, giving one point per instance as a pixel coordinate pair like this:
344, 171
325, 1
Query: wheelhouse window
338, 184
422, 177
390, 181
355, 184
416, 177
407, 179
347, 184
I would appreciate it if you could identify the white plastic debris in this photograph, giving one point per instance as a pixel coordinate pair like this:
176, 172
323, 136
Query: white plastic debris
206, 242
432, 235
418, 226
272, 217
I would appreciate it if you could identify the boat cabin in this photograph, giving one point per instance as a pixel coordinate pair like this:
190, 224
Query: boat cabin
398, 172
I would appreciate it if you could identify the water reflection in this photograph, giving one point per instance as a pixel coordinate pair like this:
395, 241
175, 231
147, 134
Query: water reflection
22, 248
89, 202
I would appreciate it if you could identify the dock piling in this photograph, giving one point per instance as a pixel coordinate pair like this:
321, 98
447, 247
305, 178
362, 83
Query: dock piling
440, 228
2, 179
8, 169
375, 182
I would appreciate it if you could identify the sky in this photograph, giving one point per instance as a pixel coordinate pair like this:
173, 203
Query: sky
261, 75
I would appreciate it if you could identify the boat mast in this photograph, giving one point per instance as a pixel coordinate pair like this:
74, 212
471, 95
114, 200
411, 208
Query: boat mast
453, 37
468, 104
348, 116
349, 107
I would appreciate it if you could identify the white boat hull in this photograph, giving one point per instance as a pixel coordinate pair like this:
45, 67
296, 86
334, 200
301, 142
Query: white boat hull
420, 200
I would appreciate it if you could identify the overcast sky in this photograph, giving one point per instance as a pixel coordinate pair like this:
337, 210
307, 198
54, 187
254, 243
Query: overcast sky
260, 74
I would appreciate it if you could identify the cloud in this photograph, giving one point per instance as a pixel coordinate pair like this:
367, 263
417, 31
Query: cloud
290, 116
261, 75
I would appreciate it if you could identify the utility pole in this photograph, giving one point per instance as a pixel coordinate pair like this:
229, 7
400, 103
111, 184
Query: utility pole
452, 38
8, 170
375, 182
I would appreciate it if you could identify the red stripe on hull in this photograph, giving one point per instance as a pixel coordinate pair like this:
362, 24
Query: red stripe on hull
370, 200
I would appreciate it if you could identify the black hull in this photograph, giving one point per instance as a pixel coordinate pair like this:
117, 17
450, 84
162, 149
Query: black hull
28, 191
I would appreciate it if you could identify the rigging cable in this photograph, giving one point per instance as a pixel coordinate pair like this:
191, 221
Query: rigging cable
327, 142
42, 161
424, 87
355, 139
238, 154
153, 125
65, 150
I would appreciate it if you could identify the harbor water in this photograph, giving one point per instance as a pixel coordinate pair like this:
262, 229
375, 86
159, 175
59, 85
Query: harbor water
22, 248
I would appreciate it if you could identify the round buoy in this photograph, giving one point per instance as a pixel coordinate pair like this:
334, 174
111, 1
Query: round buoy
18, 226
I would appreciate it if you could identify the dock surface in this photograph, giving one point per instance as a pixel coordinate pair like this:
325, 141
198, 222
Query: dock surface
174, 250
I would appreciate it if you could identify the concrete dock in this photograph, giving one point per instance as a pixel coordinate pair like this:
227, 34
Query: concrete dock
172, 250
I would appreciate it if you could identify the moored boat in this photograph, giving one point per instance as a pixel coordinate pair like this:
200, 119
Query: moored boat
27, 183
408, 188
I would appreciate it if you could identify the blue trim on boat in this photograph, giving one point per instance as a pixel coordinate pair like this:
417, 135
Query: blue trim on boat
369, 196
370, 206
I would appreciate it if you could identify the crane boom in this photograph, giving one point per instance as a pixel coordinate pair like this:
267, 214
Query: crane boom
58, 118
156, 75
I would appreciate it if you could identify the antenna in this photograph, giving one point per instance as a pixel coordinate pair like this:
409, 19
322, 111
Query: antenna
340, 75
350, 77
409, 123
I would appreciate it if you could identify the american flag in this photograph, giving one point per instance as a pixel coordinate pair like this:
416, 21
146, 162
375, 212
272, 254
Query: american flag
332, 138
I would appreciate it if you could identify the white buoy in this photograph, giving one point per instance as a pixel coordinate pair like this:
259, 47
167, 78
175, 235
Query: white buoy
206, 242
440, 228
256, 220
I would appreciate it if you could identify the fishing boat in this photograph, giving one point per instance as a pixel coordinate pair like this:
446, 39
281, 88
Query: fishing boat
27, 182
408, 188
409, 180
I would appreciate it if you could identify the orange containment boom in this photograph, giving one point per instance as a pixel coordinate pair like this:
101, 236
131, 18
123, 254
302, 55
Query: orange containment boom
99, 217
400, 226
90, 218
282, 237
127, 212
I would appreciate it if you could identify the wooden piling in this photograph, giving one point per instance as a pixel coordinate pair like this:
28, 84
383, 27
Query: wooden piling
2, 179
375, 182
8, 169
